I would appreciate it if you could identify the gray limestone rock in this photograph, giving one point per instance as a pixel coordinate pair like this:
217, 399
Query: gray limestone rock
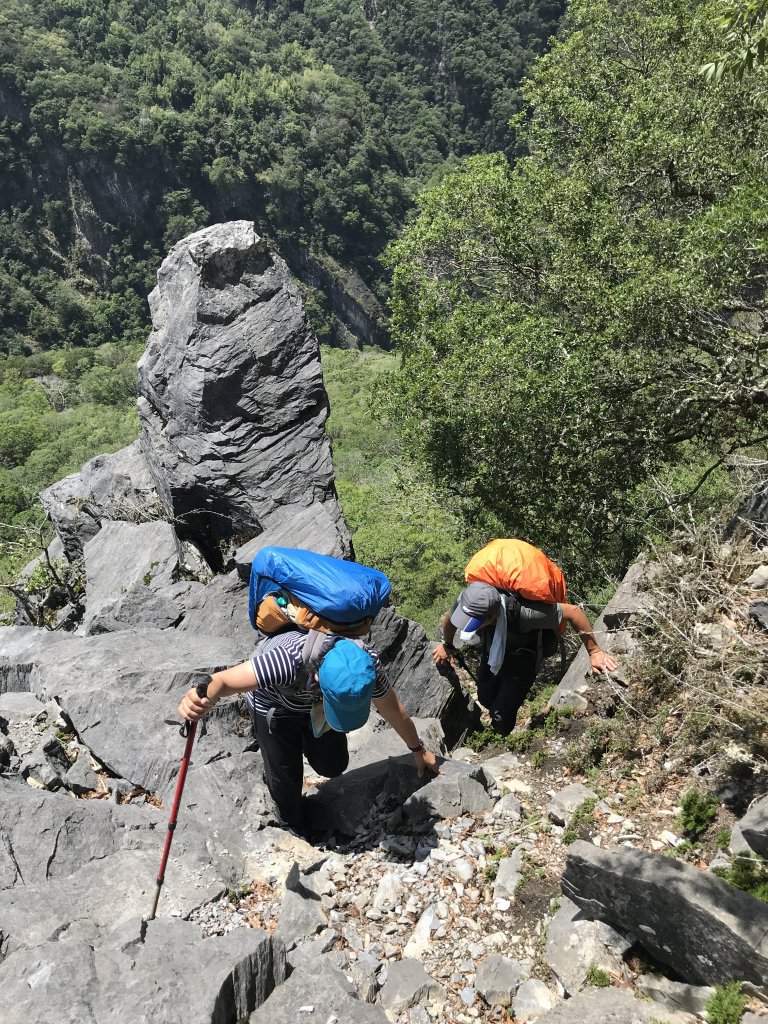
574, 944
301, 913
231, 396
106, 893
294, 526
758, 612
81, 778
612, 1006
758, 579
121, 690
27, 721
161, 971
116, 486
706, 930
688, 998
532, 1000
507, 770
753, 827
363, 976
47, 765
613, 632
132, 577
459, 789
509, 807
376, 764
509, 875
408, 984
314, 994
220, 608
498, 978
406, 653
567, 801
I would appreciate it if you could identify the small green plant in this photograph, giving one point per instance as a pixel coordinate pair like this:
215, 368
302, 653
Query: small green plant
597, 977
538, 757
556, 720
588, 751
236, 892
516, 742
582, 813
726, 1005
697, 812
748, 872
723, 838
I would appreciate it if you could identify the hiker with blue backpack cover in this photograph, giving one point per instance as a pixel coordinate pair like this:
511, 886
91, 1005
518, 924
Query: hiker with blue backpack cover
306, 685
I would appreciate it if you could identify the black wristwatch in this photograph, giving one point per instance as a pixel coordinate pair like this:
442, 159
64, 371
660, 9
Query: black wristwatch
417, 749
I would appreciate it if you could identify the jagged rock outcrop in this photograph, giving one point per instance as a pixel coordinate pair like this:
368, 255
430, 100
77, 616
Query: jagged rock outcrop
233, 455
231, 396
709, 932
117, 486
579, 687
175, 976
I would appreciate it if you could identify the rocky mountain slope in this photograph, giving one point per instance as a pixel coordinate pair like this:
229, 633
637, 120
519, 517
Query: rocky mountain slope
521, 883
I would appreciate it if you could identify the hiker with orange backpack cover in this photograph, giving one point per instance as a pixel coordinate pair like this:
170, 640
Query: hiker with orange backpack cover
513, 607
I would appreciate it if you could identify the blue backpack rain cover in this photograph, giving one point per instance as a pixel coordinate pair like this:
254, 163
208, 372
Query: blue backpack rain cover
341, 591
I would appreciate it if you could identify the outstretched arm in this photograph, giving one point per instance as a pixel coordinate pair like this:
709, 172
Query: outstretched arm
599, 659
445, 650
223, 684
392, 711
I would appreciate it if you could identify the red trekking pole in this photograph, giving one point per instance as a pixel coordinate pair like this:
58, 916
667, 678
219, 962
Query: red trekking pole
188, 729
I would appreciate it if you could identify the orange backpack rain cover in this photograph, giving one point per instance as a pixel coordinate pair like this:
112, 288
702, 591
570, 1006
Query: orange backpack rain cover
518, 566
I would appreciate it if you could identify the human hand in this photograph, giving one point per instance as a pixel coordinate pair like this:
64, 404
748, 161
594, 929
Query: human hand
443, 653
425, 761
602, 662
193, 706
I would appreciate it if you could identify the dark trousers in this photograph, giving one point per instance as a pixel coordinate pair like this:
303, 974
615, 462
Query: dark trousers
284, 740
502, 694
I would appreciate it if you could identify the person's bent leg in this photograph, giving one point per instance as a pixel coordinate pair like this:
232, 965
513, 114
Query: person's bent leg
327, 754
281, 743
516, 679
488, 687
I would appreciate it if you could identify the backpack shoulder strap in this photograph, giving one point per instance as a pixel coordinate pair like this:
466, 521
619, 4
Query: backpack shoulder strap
313, 653
316, 646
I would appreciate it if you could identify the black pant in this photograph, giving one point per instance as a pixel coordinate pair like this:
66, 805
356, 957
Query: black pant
502, 694
283, 741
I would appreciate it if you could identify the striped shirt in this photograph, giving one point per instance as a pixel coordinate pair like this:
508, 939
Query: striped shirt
277, 662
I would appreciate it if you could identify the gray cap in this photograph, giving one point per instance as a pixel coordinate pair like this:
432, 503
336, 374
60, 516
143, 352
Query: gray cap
477, 603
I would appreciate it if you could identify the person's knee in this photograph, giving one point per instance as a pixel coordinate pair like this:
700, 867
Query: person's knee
329, 757
332, 769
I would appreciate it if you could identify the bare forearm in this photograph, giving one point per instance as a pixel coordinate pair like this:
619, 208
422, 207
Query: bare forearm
393, 712
579, 622
448, 630
222, 684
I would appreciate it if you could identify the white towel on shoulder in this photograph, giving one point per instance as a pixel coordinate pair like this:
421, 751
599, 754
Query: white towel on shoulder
499, 642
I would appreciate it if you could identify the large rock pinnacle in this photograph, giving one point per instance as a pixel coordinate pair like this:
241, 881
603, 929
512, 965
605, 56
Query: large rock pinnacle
231, 395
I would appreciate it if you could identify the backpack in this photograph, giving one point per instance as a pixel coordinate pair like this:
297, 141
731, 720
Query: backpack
524, 573
290, 587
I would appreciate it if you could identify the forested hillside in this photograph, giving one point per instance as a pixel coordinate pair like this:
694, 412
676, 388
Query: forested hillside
584, 333
124, 125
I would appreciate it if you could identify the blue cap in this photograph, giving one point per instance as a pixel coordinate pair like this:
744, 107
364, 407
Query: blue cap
347, 676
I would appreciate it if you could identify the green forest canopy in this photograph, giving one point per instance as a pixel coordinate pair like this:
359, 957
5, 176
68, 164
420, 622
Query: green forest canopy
124, 125
593, 318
